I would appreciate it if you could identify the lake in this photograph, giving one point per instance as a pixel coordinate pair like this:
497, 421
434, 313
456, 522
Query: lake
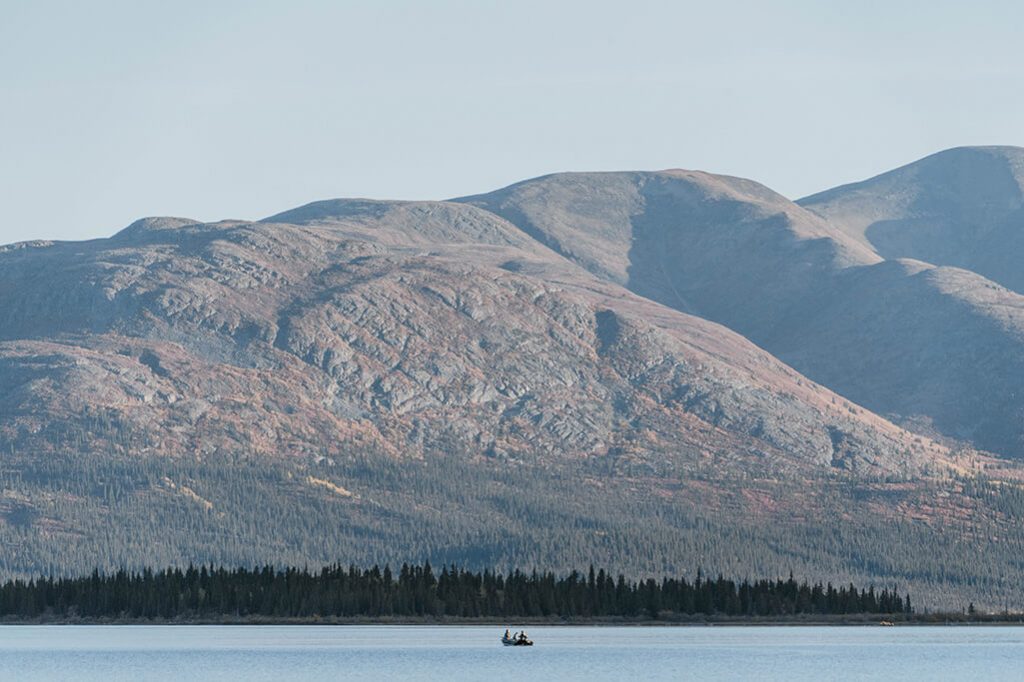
250, 653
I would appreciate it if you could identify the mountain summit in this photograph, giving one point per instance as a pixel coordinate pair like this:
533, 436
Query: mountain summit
963, 207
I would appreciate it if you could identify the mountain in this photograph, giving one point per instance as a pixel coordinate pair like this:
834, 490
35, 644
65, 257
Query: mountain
724, 248
936, 347
330, 335
554, 374
962, 207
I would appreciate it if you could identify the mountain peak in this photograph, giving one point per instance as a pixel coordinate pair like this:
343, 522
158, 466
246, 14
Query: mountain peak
993, 150
962, 207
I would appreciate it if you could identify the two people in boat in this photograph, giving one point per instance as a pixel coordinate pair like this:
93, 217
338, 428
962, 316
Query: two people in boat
518, 638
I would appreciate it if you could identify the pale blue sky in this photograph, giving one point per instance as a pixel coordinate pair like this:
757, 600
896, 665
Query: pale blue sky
110, 111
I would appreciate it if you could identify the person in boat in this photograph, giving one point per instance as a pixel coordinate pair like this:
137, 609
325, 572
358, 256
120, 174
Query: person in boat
522, 636
507, 635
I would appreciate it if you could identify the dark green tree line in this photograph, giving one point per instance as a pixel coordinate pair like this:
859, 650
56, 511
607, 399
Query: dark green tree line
417, 590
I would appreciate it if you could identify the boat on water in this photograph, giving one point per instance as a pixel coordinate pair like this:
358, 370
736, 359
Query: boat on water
518, 639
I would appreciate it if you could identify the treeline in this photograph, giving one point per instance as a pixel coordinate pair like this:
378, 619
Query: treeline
337, 591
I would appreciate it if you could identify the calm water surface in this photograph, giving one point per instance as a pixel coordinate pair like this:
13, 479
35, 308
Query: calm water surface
473, 653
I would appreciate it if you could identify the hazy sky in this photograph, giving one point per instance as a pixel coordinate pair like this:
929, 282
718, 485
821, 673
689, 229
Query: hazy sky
110, 111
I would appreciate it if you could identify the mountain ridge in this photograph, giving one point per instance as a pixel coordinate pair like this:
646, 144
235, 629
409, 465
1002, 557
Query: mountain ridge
958, 207
774, 271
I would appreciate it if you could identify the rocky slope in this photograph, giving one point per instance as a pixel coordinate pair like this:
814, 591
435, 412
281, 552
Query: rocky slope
285, 339
724, 248
937, 347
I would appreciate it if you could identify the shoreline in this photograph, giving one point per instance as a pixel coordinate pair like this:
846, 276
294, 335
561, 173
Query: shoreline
866, 620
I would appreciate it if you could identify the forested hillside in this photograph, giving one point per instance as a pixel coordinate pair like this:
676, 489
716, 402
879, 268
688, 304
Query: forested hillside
944, 541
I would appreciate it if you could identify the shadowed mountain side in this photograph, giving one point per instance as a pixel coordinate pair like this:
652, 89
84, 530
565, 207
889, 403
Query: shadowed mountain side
938, 346
734, 252
962, 207
724, 248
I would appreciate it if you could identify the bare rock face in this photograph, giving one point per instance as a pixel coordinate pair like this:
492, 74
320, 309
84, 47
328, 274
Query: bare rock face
916, 343
281, 339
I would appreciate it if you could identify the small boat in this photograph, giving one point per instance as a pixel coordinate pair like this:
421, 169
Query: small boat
887, 623
519, 639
